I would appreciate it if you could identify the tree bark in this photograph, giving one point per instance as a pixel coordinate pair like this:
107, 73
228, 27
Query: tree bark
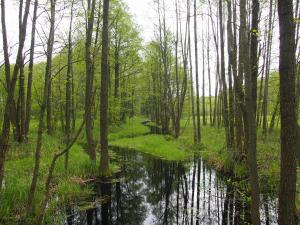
69, 88
104, 161
197, 73
191, 72
225, 110
203, 81
89, 81
249, 68
288, 175
30, 73
232, 70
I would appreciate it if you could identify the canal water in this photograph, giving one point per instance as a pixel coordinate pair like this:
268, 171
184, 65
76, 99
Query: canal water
150, 191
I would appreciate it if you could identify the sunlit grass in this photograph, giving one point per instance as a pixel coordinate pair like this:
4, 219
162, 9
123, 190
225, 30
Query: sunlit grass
160, 146
132, 128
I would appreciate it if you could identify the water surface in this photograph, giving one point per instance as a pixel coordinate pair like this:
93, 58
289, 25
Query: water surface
150, 191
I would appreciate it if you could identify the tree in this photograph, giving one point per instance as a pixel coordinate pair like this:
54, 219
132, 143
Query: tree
50, 43
68, 87
104, 161
288, 175
89, 80
30, 73
197, 73
191, 71
223, 79
9, 114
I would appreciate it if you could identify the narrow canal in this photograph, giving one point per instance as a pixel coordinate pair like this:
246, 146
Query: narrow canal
150, 191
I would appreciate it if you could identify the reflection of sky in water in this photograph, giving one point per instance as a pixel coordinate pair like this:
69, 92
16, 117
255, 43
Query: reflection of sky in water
153, 192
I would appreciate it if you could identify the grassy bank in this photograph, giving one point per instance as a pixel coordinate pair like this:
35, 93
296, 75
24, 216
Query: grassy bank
160, 146
132, 128
68, 186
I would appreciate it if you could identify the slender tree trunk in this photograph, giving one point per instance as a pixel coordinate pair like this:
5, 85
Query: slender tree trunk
191, 71
117, 69
36, 171
89, 82
69, 88
266, 88
274, 114
10, 82
21, 104
232, 70
104, 161
49, 109
203, 80
223, 78
197, 73
177, 116
20, 114
30, 74
216, 103
250, 72
288, 174
209, 75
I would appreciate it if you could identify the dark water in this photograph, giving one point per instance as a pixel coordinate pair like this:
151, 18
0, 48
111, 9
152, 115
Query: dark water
149, 191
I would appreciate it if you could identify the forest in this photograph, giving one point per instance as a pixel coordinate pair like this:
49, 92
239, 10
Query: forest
149, 112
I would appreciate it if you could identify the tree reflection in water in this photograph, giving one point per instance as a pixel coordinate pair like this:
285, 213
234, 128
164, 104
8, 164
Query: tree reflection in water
149, 191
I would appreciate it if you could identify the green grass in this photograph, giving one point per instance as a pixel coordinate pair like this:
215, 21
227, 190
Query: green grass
132, 128
68, 188
67, 185
164, 147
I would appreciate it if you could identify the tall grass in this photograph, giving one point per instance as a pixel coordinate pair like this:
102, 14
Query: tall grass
67, 185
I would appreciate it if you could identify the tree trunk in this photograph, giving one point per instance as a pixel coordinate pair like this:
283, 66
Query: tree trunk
177, 116
191, 72
232, 70
104, 161
288, 174
10, 82
250, 72
225, 110
274, 114
209, 75
49, 109
68, 88
30, 74
267, 73
203, 81
89, 82
197, 73
50, 44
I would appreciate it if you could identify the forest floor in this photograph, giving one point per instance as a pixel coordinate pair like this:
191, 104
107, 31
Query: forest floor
68, 186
